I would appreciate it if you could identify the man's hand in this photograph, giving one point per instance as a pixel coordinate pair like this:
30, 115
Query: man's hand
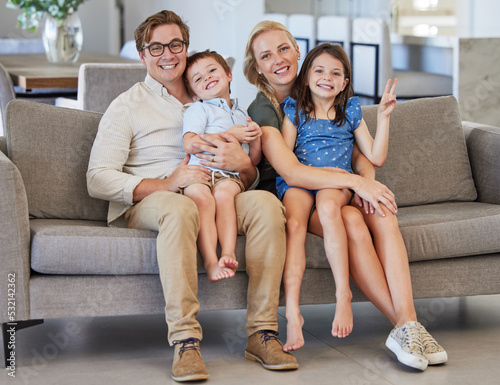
227, 152
184, 173
179, 177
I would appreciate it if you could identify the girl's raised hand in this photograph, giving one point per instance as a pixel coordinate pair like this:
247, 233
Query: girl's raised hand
388, 101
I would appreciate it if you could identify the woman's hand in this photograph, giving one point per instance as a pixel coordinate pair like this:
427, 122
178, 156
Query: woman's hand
375, 193
363, 204
336, 169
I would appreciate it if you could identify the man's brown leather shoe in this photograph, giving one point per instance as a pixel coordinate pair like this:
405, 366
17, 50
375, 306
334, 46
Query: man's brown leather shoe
265, 347
188, 365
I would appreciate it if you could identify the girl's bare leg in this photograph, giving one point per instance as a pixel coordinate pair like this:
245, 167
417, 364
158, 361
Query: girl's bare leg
225, 219
207, 237
329, 203
298, 204
391, 251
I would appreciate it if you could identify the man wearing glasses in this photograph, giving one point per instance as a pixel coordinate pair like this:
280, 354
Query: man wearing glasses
137, 163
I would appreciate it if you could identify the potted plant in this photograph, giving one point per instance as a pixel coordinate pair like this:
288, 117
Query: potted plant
62, 34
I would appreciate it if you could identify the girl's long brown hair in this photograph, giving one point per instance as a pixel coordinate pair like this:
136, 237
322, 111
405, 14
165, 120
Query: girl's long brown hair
302, 94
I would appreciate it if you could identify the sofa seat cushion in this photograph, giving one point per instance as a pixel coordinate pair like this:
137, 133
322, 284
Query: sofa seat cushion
91, 247
436, 231
448, 230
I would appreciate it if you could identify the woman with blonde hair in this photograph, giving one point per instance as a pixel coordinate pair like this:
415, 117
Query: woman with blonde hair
378, 265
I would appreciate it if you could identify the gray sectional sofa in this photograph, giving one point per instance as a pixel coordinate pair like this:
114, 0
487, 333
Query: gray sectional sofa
68, 263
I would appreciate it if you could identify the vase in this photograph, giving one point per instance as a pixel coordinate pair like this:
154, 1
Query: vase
62, 39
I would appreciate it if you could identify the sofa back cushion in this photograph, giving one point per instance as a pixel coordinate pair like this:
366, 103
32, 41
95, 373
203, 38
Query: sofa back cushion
427, 160
51, 147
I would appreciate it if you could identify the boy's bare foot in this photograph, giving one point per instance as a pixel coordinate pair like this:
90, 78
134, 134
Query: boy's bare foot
228, 262
294, 336
342, 323
216, 273
225, 268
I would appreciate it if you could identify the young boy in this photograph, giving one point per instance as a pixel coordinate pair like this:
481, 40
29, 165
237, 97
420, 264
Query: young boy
208, 79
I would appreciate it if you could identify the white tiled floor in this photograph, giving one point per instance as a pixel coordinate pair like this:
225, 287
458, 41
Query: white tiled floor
133, 350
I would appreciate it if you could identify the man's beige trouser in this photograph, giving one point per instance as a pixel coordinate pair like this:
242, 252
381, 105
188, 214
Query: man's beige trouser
260, 217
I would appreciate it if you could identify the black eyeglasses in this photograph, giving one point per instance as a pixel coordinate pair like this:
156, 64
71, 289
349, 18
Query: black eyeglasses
157, 49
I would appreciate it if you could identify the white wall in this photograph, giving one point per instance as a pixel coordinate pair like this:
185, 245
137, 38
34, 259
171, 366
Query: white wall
478, 18
100, 24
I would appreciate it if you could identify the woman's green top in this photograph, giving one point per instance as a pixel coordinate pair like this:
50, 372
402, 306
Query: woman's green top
263, 113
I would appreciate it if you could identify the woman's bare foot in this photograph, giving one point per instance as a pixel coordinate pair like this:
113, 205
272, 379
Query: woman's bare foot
294, 336
342, 323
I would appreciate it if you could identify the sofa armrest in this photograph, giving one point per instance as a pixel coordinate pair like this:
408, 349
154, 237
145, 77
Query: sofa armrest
3, 144
483, 146
14, 243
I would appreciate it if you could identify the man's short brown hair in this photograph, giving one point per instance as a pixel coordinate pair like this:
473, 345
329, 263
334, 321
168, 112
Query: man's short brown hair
142, 34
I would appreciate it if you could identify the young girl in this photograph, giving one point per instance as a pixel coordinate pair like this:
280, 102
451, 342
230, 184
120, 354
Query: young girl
321, 122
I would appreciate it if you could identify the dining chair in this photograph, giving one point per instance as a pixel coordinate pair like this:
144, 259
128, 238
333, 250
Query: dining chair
372, 65
334, 29
100, 83
6, 94
14, 45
